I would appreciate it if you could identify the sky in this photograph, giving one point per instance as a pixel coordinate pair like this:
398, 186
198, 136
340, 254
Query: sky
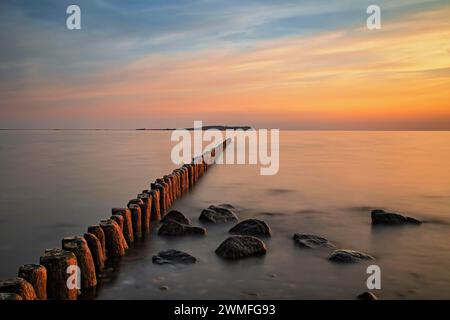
287, 64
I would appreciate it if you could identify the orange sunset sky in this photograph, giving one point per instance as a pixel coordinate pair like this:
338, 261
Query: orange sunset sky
273, 64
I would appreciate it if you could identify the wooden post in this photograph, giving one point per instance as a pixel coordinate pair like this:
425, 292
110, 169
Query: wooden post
98, 232
162, 197
96, 250
36, 275
119, 220
156, 212
146, 211
136, 218
18, 286
56, 261
127, 223
114, 239
79, 247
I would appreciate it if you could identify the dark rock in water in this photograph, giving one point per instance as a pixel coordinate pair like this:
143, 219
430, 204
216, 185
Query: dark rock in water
252, 227
172, 257
176, 216
367, 296
220, 213
383, 217
311, 241
10, 296
349, 256
236, 247
173, 228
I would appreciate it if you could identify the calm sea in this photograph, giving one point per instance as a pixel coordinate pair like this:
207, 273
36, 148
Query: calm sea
56, 183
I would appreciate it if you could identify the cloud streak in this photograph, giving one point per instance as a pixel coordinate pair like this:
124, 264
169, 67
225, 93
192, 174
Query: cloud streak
229, 65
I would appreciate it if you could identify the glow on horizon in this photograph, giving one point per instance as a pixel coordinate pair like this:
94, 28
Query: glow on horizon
394, 78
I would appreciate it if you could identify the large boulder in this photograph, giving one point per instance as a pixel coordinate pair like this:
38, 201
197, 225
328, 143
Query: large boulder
217, 214
349, 256
311, 241
390, 218
174, 228
252, 227
236, 247
176, 216
173, 257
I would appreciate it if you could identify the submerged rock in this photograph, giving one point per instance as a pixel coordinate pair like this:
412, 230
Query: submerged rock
172, 257
176, 216
390, 218
349, 256
311, 241
236, 247
174, 228
367, 296
217, 214
252, 227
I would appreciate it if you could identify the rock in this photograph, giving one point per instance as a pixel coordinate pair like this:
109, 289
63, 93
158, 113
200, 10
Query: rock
311, 241
36, 275
236, 247
389, 218
349, 256
176, 216
216, 214
173, 228
19, 286
172, 257
367, 296
252, 227
9, 296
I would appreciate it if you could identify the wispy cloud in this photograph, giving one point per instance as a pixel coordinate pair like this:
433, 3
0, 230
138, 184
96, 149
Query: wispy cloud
173, 62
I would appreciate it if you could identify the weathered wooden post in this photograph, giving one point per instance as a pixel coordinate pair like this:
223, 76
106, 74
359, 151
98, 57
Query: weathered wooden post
96, 250
156, 213
119, 220
162, 197
127, 223
114, 239
167, 180
57, 262
85, 261
36, 275
18, 286
146, 211
98, 232
136, 218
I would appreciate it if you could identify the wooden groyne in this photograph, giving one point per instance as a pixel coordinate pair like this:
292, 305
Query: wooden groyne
107, 241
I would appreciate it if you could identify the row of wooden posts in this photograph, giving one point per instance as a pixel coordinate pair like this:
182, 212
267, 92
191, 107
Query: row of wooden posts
109, 240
